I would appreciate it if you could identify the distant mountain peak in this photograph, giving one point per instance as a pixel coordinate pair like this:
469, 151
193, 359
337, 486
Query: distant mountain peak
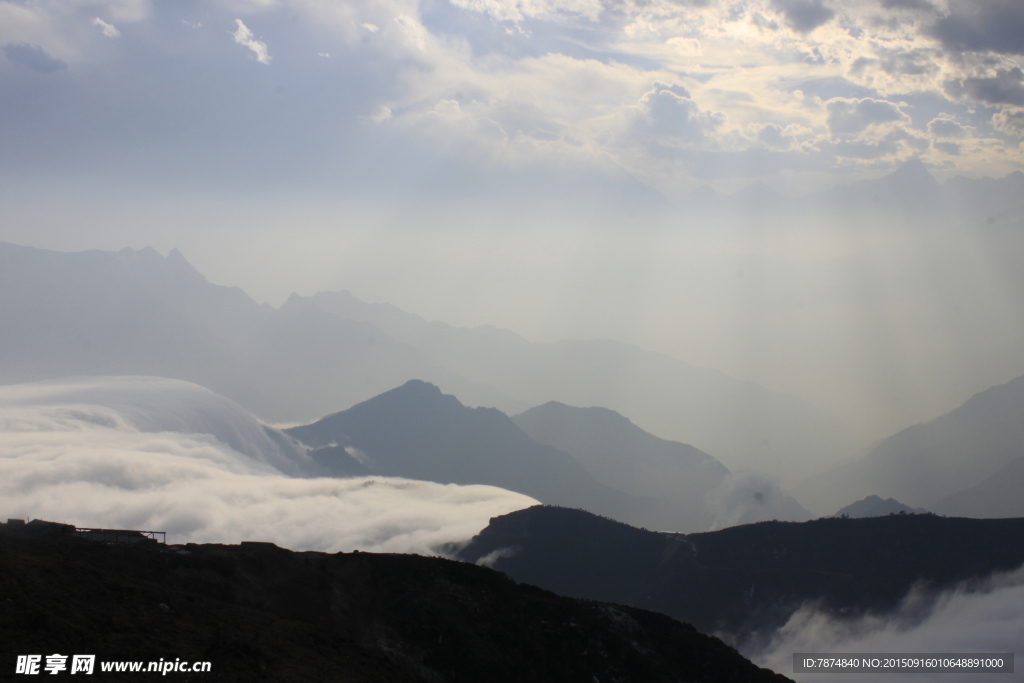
913, 171
420, 387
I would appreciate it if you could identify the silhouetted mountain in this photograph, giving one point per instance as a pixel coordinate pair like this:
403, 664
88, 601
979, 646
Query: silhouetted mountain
745, 582
741, 423
925, 463
417, 432
136, 312
257, 612
873, 506
1001, 495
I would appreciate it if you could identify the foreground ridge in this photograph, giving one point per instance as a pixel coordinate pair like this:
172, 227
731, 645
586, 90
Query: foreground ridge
259, 612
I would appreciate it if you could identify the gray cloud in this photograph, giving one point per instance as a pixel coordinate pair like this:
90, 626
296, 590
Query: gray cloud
946, 128
848, 117
672, 113
984, 617
1010, 121
983, 25
33, 57
76, 453
909, 4
804, 16
1006, 87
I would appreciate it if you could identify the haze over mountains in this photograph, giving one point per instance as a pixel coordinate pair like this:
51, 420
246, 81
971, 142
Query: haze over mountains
139, 313
742, 424
930, 465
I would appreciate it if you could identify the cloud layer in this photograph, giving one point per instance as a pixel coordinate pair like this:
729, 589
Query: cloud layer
512, 84
76, 452
984, 617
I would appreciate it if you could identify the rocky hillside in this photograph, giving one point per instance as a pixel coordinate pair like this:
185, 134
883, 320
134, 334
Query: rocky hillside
261, 613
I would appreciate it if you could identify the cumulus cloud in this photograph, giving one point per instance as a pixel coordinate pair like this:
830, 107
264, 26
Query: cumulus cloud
984, 617
1005, 86
1010, 121
78, 453
804, 16
946, 127
849, 117
244, 36
109, 30
33, 57
672, 113
983, 25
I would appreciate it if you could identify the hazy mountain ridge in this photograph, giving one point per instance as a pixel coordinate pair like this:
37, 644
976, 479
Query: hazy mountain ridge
135, 312
910, 190
929, 462
740, 423
621, 455
416, 432
747, 581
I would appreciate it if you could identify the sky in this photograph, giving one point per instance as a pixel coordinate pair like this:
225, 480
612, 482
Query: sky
526, 164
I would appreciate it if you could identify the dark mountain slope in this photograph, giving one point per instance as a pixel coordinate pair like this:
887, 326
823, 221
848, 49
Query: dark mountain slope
260, 613
873, 506
417, 432
746, 581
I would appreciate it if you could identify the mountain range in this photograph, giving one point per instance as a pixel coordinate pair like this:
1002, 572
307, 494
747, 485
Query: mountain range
740, 423
257, 612
417, 432
960, 463
745, 582
136, 312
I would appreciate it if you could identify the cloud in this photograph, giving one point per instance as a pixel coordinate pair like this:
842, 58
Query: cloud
748, 497
78, 453
517, 10
1006, 86
982, 26
244, 36
803, 16
983, 617
33, 57
945, 127
849, 117
109, 30
1010, 121
670, 112
909, 4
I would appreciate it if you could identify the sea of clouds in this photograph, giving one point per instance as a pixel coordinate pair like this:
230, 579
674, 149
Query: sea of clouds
985, 616
160, 454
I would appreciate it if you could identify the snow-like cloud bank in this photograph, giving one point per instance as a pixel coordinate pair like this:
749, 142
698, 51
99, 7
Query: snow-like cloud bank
148, 453
981, 617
